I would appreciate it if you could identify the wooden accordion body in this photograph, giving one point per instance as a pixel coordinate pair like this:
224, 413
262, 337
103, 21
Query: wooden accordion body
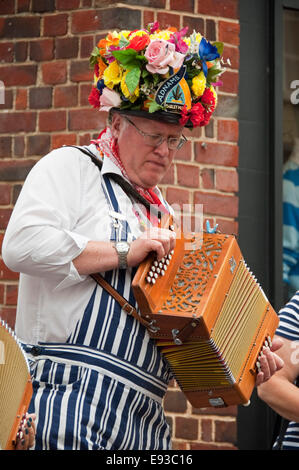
15, 386
209, 315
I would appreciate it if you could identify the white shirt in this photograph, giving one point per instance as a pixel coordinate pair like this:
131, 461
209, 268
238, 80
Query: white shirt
60, 208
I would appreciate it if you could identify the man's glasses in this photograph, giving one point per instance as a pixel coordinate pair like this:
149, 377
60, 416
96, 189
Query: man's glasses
155, 140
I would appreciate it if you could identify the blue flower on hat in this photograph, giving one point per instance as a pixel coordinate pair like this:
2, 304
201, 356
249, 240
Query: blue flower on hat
100, 85
207, 52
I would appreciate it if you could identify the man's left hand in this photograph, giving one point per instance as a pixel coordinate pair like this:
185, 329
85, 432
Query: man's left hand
269, 362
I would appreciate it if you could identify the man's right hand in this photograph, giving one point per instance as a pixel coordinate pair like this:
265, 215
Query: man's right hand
158, 240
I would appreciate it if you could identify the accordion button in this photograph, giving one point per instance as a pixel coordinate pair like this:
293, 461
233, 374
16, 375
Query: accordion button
36, 350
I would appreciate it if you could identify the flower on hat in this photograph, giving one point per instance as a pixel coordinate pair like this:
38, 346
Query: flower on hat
143, 68
112, 74
199, 84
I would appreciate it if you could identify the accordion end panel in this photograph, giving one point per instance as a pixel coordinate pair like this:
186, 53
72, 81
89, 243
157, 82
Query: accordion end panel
15, 386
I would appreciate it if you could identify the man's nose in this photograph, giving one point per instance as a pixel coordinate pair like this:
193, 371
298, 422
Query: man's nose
163, 149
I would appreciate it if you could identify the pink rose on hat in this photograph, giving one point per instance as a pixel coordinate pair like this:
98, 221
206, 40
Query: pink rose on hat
161, 55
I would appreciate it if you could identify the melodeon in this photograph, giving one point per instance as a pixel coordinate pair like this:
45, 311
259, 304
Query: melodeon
15, 386
209, 315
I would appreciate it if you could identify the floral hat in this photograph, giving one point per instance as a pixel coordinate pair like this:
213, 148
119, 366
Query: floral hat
158, 74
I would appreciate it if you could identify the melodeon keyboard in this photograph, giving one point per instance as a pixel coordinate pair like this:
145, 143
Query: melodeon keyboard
15, 386
209, 315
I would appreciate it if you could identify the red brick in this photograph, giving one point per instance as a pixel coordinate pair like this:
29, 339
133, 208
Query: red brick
42, 6
55, 25
228, 130
17, 122
188, 175
233, 54
11, 294
227, 8
4, 218
218, 154
167, 19
66, 48
65, 96
67, 4
23, 5
186, 428
86, 46
218, 204
8, 99
52, 121
227, 180
210, 446
230, 227
182, 5
42, 49
7, 7
80, 71
8, 314
175, 402
85, 139
185, 152
148, 17
21, 99
225, 431
58, 140
178, 196
230, 82
15, 75
38, 145
85, 119
169, 176
229, 32
207, 178
20, 27
15, 170
83, 21
6, 52
84, 93
206, 430
21, 51
5, 146
226, 411
54, 73
1, 291
5, 194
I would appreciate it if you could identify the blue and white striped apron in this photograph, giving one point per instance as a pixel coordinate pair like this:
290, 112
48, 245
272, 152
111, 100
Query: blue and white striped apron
103, 388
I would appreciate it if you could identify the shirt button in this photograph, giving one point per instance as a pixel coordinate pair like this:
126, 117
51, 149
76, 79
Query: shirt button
36, 350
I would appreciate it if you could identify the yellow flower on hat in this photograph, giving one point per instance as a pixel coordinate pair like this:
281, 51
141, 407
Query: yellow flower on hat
199, 84
112, 74
214, 93
124, 88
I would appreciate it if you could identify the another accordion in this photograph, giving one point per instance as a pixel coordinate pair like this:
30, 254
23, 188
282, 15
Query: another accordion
15, 386
209, 315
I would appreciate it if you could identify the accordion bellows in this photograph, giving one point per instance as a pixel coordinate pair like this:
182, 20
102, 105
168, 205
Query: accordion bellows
209, 315
15, 386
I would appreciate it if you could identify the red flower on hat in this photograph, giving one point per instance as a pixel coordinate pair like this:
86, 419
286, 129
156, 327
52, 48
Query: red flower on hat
94, 98
196, 115
208, 100
138, 43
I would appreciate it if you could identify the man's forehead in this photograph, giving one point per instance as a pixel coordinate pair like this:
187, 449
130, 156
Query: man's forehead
157, 126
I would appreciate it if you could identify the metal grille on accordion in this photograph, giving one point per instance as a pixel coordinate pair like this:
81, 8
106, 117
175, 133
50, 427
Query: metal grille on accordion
209, 315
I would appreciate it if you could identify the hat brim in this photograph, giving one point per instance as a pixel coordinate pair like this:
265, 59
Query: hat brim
168, 117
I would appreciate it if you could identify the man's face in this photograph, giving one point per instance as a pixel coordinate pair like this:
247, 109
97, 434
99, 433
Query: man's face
145, 164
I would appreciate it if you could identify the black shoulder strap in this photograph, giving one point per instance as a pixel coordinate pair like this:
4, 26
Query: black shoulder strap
125, 185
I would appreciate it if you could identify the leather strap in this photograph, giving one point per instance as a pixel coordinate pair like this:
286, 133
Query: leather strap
125, 305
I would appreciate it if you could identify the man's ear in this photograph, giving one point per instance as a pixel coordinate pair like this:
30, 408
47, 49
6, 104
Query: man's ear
115, 125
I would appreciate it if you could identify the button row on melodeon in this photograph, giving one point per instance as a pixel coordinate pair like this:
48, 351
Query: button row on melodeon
158, 268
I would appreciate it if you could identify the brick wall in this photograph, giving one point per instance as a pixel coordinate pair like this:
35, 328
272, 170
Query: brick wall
44, 50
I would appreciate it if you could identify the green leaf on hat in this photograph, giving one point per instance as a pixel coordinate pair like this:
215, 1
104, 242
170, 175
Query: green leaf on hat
154, 106
94, 56
132, 79
219, 46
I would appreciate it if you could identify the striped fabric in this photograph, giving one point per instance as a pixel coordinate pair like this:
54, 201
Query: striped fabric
291, 226
289, 329
103, 389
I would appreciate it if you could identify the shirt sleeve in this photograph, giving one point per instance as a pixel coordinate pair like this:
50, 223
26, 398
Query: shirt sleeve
41, 238
289, 320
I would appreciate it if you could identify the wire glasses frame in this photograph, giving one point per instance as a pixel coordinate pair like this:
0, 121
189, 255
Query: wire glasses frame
155, 140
